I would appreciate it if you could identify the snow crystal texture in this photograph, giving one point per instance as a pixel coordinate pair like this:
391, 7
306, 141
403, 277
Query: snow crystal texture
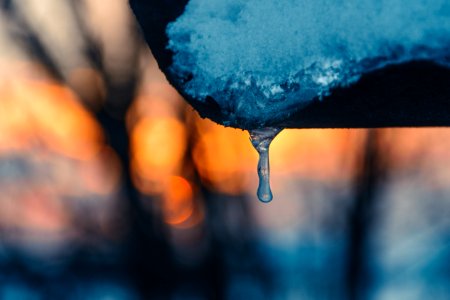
258, 59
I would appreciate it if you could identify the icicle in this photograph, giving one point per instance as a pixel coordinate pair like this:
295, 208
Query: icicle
261, 139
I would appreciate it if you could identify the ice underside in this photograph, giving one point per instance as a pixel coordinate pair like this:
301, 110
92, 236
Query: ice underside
259, 58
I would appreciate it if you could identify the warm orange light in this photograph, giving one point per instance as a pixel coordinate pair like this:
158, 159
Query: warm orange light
315, 153
15, 129
227, 161
45, 112
158, 146
418, 151
178, 201
224, 157
146, 106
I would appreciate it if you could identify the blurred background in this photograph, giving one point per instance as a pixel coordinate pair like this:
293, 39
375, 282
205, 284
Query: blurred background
111, 187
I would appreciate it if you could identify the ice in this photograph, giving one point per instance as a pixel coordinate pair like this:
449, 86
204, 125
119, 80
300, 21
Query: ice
259, 58
261, 139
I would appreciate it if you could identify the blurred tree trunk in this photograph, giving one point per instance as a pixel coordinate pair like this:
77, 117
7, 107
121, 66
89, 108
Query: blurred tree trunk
368, 179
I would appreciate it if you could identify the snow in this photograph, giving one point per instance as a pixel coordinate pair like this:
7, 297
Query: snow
259, 58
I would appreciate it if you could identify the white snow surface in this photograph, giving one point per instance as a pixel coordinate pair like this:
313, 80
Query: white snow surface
258, 59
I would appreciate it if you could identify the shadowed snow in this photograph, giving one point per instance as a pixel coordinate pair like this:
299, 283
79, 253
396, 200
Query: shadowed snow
259, 58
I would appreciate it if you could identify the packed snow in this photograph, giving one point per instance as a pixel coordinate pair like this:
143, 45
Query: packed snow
260, 58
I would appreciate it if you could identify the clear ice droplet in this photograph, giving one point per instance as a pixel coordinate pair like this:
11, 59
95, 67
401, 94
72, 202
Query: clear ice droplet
261, 139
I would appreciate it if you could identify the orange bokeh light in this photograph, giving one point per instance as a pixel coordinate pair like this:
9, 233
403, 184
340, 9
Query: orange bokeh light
145, 106
48, 114
158, 146
178, 201
227, 162
224, 157
316, 153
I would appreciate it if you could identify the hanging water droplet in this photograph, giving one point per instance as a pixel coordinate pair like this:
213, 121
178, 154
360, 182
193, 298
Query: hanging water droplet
261, 139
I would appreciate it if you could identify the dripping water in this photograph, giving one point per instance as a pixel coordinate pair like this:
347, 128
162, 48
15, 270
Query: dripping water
261, 139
